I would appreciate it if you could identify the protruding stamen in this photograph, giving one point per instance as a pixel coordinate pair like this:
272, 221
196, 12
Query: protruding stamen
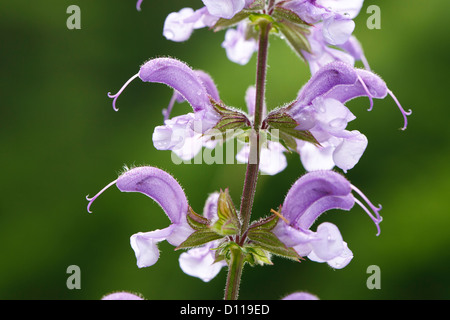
115, 96
369, 95
377, 218
166, 112
280, 216
91, 200
404, 113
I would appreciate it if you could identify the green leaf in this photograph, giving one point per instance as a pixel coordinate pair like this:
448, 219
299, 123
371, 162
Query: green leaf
257, 5
268, 241
281, 14
267, 223
285, 124
295, 36
256, 256
222, 23
230, 119
228, 222
196, 221
199, 238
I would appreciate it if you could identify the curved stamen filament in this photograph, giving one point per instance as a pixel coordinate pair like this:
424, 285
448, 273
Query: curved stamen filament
115, 96
91, 200
369, 95
377, 218
166, 112
404, 113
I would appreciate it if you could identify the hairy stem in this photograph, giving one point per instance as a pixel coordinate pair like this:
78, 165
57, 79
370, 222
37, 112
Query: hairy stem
234, 274
251, 175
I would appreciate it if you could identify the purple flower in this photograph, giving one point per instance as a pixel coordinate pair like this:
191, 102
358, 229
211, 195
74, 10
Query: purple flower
238, 46
309, 197
336, 15
179, 26
300, 296
320, 108
182, 134
164, 190
122, 295
322, 53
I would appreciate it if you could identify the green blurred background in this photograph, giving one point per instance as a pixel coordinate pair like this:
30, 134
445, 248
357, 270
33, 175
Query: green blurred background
61, 140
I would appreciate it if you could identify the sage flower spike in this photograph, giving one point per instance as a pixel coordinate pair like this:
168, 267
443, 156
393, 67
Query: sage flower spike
164, 190
311, 195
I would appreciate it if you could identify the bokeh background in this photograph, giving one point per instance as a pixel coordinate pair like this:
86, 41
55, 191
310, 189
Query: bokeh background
61, 140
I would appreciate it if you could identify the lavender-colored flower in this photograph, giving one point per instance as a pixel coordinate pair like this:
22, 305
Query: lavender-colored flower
122, 295
238, 46
300, 296
322, 53
165, 190
320, 109
309, 197
336, 15
179, 26
182, 134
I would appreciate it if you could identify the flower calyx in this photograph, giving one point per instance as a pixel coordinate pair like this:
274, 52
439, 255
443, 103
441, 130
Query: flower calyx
287, 128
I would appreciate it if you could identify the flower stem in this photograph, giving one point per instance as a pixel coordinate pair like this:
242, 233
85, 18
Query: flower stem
251, 175
234, 274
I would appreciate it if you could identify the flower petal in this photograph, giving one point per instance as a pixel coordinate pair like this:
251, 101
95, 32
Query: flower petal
328, 243
122, 295
176, 28
315, 193
158, 185
199, 262
224, 8
180, 77
239, 49
337, 31
300, 296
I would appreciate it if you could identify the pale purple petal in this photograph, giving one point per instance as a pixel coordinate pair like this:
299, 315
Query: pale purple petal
306, 10
347, 8
176, 28
145, 245
158, 185
210, 208
332, 76
315, 193
224, 8
199, 262
300, 296
316, 157
343, 259
239, 49
180, 77
209, 84
354, 48
122, 295
337, 31
328, 242
349, 151
272, 158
